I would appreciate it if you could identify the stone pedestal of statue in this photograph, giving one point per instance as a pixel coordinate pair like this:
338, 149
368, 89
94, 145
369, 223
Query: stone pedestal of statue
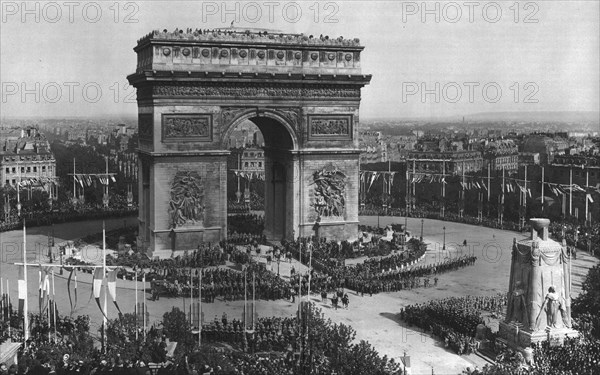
539, 296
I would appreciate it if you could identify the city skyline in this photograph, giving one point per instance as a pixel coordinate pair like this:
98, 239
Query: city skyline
413, 63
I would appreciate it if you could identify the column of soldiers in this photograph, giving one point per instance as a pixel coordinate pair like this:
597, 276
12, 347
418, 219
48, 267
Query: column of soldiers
454, 320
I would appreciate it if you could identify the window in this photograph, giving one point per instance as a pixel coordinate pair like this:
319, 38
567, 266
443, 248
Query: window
13, 181
14, 170
7, 182
245, 164
260, 163
7, 170
22, 169
43, 168
35, 169
28, 169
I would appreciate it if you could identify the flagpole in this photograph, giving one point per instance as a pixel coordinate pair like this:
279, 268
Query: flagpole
74, 180
200, 309
48, 306
106, 186
587, 183
443, 188
2, 299
413, 183
245, 302
19, 192
25, 302
502, 206
489, 188
191, 297
542, 189
407, 197
253, 298
525, 198
9, 310
462, 199
105, 315
389, 189
570, 191
309, 273
135, 309
144, 302
54, 307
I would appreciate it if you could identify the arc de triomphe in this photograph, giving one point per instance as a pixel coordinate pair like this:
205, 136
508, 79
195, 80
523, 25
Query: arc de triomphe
194, 88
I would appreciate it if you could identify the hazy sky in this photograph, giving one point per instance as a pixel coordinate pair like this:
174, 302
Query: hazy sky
541, 55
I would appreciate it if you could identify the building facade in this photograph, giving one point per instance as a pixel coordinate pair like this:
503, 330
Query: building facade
501, 154
27, 158
446, 162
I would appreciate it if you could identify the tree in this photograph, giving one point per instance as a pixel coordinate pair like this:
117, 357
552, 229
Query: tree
586, 307
177, 328
121, 339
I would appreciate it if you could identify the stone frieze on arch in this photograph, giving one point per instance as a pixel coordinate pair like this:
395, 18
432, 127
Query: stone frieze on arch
249, 90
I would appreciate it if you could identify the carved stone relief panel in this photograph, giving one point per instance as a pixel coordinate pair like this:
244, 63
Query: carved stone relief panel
330, 127
191, 127
186, 204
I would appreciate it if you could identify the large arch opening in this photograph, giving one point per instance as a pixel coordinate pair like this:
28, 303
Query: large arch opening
261, 172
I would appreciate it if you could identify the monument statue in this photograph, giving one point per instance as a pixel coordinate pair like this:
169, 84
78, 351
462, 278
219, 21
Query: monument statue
187, 196
330, 191
539, 296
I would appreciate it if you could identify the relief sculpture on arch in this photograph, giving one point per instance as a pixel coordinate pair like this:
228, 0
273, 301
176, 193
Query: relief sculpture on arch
329, 192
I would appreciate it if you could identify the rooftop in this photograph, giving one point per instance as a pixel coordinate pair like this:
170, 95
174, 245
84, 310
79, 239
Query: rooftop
247, 35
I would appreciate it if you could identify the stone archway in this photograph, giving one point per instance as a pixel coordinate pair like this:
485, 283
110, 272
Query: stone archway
304, 96
279, 128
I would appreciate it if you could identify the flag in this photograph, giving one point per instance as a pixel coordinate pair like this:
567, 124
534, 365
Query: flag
22, 290
71, 274
589, 197
44, 288
373, 177
112, 288
97, 287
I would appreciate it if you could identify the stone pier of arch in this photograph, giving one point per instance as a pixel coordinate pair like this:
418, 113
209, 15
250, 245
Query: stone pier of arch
193, 89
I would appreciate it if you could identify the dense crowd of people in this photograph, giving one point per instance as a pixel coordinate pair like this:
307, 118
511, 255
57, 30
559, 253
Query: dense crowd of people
225, 283
371, 276
586, 237
576, 356
36, 219
454, 320
266, 335
272, 345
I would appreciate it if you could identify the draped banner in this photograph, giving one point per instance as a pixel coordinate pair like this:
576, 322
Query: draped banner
112, 288
44, 288
22, 290
97, 287
72, 274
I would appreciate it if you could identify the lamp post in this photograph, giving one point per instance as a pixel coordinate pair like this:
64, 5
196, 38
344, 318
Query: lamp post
422, 222
444, 246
